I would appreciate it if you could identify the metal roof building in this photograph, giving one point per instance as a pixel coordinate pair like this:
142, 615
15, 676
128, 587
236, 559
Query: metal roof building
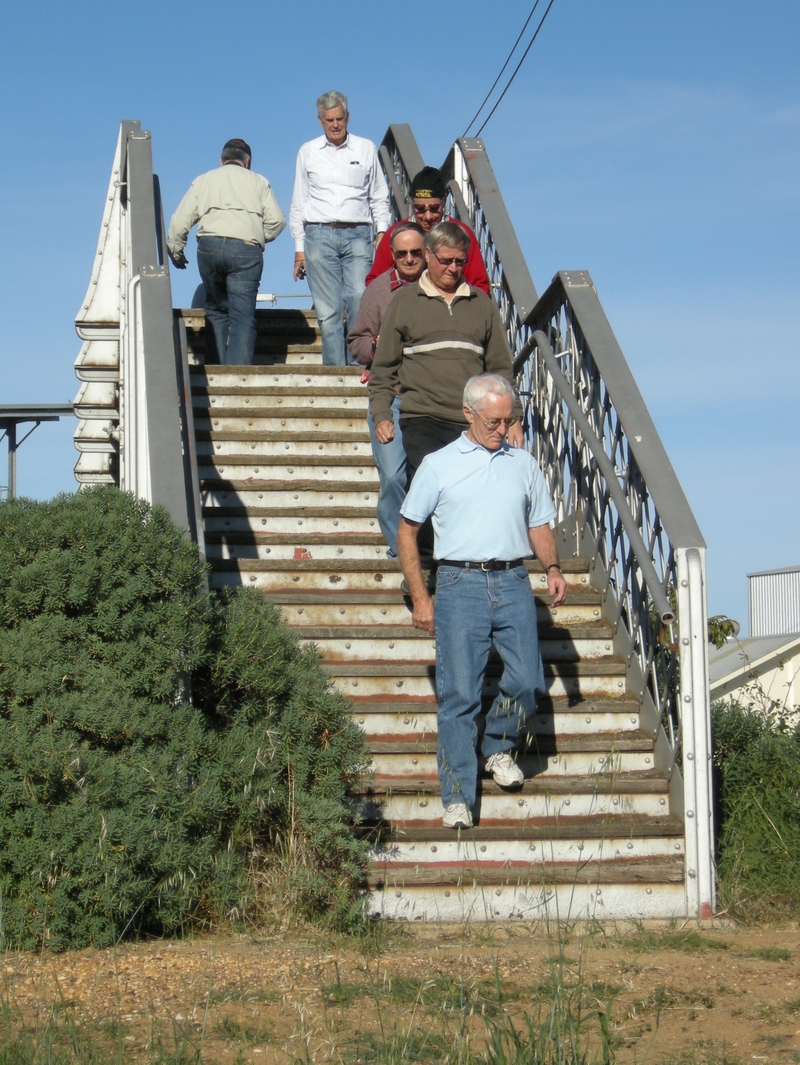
774, 602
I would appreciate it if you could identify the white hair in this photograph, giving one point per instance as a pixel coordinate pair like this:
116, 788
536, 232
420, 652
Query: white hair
477, 389
329, 100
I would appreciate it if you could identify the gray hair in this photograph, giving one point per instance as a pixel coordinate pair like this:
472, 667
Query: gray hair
478, 388
448, 233
407, 227
329, 100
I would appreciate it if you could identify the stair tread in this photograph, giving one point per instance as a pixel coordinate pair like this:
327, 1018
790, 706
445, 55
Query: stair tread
545, 744
636, 781
284, 460
578, 631
611, 871
388, 565
279, 370
620, 826
287, 437
610, 665
577, 597
276, 390
563, 704
340, 413
259, 538
260, 484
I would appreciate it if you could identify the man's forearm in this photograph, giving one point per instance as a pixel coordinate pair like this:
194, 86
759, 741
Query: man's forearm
408, 553
544, 546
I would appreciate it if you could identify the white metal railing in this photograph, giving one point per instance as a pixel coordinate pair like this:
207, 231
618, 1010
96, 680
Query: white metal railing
136, 428
619, 502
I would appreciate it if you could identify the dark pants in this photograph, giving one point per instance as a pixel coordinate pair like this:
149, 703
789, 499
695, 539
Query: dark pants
421, 437
231, 272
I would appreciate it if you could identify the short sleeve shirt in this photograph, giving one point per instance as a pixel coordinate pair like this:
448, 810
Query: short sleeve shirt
482, 502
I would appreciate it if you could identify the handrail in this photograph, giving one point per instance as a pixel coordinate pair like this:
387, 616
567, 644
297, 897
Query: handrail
660, 600
134, 403
402, 161
621, 506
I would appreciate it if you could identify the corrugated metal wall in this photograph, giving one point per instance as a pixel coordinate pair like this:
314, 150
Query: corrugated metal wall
774, 602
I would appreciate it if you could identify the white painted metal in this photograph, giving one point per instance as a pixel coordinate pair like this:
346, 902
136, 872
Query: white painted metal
464, 847
530, 901
602, 766
696, 719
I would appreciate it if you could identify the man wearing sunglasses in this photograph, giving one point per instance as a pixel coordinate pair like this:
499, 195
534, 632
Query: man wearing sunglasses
408, 254
428, 196
491, 510
436, 334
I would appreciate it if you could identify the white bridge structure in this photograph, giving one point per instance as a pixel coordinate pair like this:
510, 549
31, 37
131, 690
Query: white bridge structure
269, 469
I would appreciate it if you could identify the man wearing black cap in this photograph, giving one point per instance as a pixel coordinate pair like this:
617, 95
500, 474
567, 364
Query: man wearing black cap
237, 214
428, 195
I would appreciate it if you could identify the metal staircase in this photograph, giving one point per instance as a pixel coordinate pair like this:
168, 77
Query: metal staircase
614, 818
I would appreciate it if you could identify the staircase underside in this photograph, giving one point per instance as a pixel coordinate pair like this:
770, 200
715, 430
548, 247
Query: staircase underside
289, 491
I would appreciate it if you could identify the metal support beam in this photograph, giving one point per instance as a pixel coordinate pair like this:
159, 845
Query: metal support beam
12, 416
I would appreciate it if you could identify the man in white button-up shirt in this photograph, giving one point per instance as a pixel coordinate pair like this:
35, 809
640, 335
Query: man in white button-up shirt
340, 193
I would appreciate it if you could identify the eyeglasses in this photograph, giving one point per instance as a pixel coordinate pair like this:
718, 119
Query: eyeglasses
495, 423
460, 263
427, 208
415, 253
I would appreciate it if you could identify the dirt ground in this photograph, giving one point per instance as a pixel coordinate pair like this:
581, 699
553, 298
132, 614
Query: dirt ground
710, 994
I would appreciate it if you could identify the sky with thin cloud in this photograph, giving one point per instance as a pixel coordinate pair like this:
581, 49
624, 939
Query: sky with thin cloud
655, 145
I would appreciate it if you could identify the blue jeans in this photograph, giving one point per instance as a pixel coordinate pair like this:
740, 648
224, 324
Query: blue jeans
337, 264
231, 272
474, 610
391, 462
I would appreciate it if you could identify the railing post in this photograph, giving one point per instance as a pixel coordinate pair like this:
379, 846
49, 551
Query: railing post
696, 729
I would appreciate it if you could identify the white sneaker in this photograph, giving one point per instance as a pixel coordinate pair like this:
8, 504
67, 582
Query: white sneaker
457, 815
505, 770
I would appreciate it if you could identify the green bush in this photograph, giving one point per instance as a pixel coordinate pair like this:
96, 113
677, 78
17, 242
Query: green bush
757, 786
126, 808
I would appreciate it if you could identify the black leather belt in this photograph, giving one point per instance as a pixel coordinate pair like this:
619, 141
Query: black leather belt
492, 564
338, 225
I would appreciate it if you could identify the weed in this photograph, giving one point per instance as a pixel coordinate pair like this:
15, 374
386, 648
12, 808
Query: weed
343, 995
688, 942
769, 954
230, 1028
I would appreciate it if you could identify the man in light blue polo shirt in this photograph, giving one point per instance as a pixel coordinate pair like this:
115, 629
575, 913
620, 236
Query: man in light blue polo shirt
490, 509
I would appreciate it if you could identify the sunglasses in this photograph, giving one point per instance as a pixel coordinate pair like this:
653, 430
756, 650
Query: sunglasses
427, 208
415, 253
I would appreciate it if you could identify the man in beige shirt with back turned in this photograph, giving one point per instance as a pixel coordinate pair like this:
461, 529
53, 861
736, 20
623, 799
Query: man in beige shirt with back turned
237, 214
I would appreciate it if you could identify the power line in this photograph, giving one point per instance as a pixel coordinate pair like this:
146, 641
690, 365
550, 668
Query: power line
516, 69
499, 76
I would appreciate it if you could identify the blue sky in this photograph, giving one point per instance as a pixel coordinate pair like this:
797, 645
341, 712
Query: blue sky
656, 145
